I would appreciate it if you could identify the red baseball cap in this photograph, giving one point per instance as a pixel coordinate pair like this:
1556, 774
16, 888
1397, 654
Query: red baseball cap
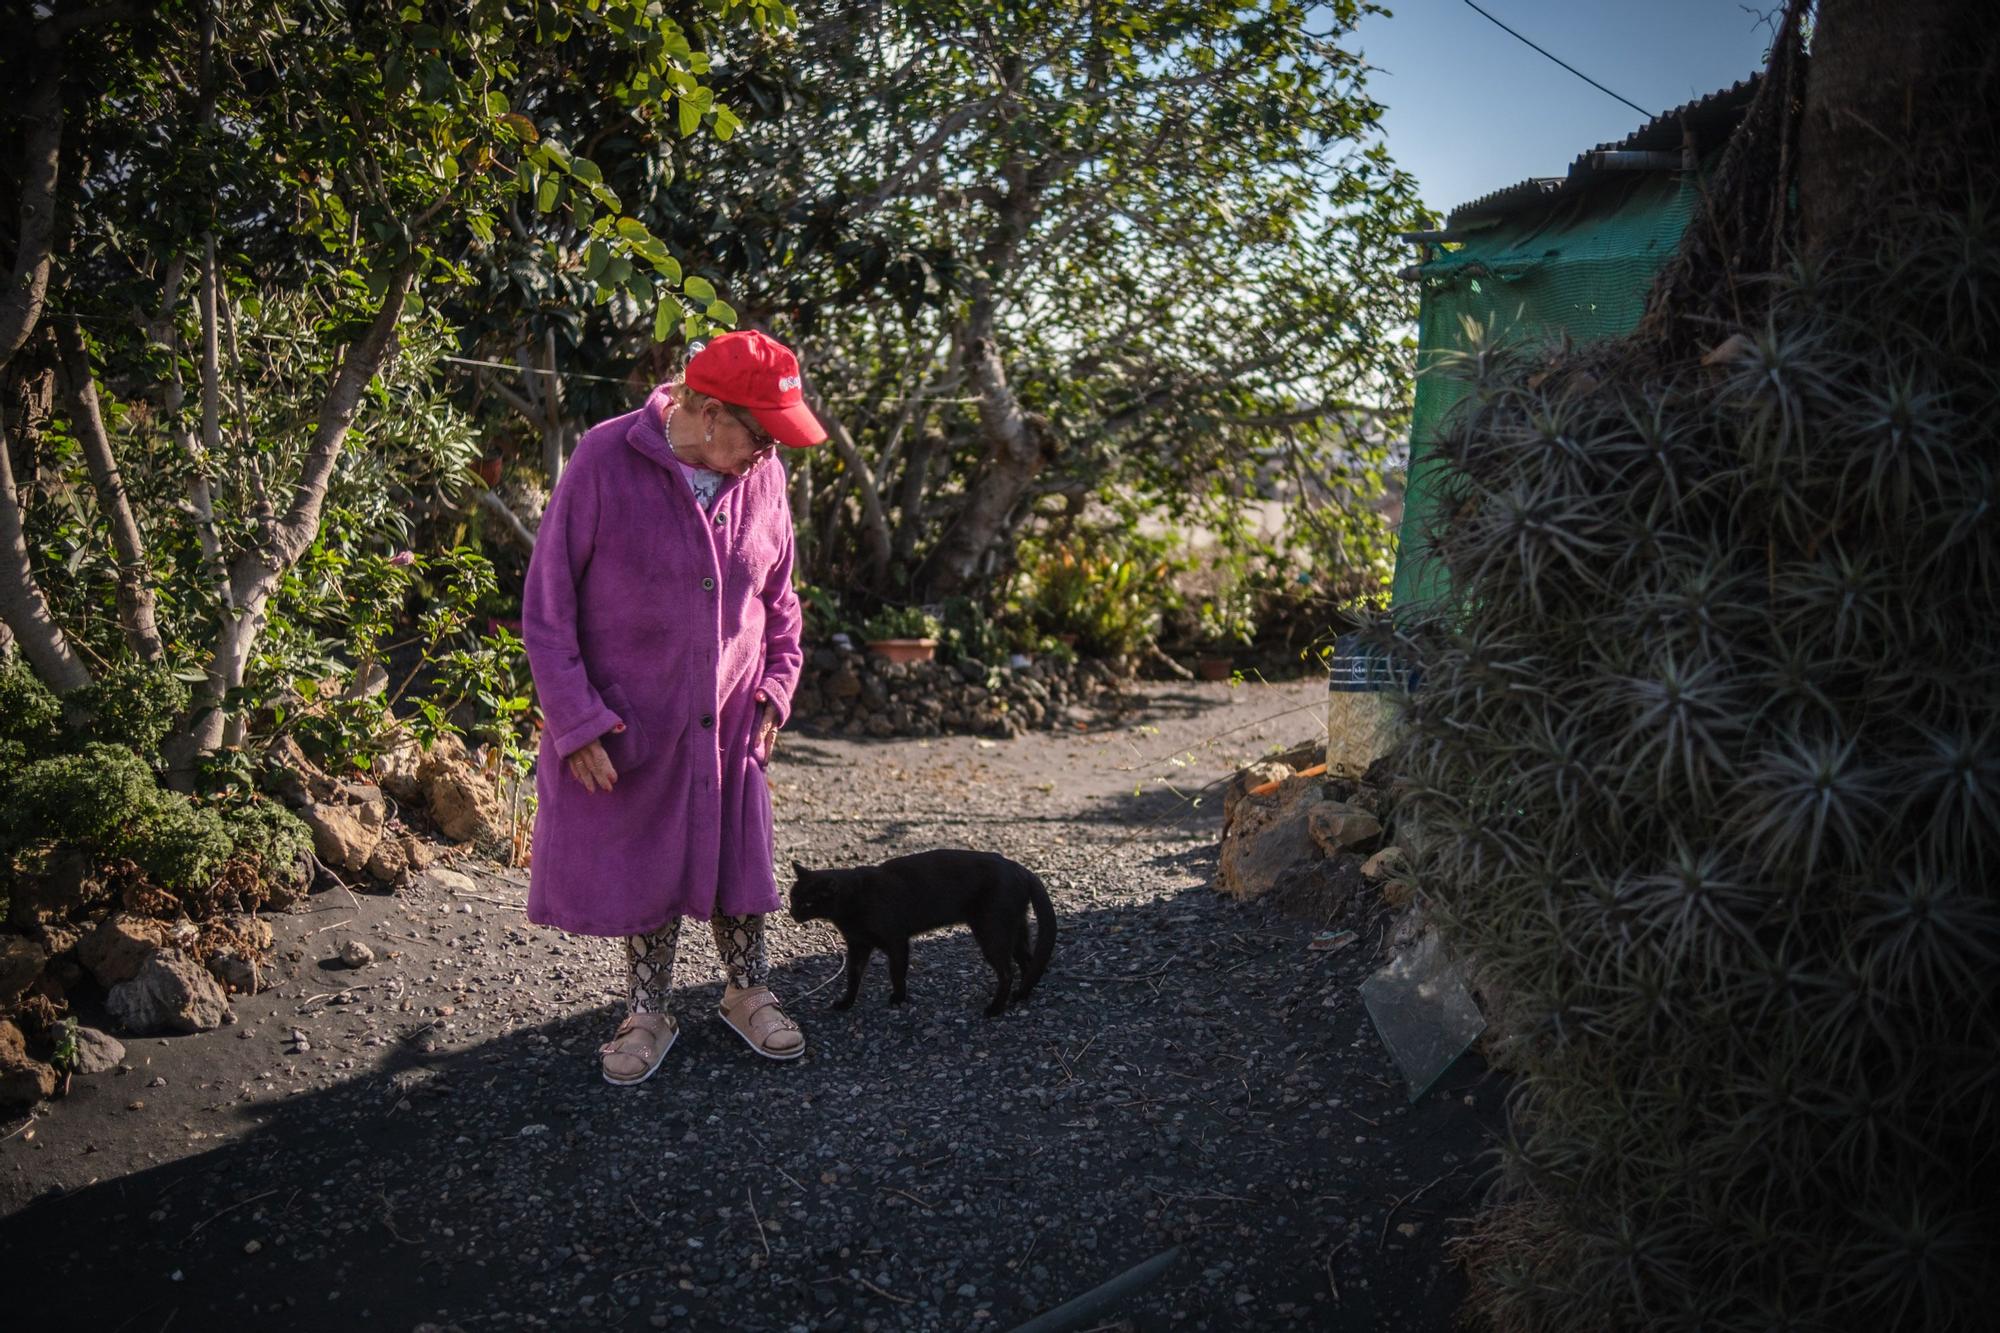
754, 371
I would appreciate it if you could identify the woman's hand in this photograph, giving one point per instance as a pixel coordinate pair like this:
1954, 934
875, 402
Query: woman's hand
766, 738
592, 767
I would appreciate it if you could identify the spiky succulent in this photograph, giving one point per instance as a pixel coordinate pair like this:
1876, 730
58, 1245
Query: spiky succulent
1705, 776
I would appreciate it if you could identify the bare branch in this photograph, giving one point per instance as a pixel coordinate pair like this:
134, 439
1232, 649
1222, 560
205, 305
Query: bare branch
515, 527
510, 397
874, 524
924, 153
135, 591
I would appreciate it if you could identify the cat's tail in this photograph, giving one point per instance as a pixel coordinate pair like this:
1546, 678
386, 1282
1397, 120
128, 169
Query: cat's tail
1045, 930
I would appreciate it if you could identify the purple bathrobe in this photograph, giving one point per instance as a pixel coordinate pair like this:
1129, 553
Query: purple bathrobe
640, 608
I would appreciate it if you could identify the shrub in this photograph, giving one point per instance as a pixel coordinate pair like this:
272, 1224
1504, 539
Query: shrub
967, 631
181, 846
1705, 775
901, 622
103, 799
275, 837
133, 704
82, 799
1110, 589
30, 716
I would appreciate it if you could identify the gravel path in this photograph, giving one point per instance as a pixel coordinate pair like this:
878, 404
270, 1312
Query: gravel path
439, 1149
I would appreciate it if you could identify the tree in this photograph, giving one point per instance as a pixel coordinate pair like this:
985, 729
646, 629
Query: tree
195, 167
1135, 243
1031, 251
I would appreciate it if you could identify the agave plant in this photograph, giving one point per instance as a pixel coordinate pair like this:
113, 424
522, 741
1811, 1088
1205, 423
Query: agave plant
1704, 773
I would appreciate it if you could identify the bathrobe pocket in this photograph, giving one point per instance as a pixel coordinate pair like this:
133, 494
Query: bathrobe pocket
629, 749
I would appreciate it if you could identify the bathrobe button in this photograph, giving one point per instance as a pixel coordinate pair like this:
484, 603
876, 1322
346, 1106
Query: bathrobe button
707, 720
708, 585
718, 520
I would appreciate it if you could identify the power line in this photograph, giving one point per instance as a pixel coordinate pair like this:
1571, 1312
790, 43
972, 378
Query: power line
525, 371
1559, 60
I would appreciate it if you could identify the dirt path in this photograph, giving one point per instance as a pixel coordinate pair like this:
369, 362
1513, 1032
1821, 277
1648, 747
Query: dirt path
441, 1151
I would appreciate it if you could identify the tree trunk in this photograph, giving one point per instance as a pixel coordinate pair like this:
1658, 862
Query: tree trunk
173, 394
28, 285
874, 523
254, 576
910, 499
135, 585
22, 605
553, 441
1018, 447
802, 506
1896, 94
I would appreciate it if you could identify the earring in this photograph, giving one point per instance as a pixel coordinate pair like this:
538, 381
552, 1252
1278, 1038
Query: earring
709, 438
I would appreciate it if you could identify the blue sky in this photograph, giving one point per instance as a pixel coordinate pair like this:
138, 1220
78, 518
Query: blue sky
1471, 110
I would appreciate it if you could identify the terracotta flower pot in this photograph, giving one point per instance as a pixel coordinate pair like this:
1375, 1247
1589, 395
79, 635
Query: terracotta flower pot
1214, 668
904, 650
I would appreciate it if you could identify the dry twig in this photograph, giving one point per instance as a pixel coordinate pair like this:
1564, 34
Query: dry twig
200, 1226
761, 1239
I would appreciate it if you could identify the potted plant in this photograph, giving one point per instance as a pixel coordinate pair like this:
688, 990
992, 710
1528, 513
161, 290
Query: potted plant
902, 634
1214, 667
1224, 623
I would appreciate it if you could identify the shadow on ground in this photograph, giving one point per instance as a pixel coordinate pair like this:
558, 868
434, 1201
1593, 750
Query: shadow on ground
1188, 1074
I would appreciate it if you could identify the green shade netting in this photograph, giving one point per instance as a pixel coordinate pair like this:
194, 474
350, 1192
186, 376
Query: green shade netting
1581, 265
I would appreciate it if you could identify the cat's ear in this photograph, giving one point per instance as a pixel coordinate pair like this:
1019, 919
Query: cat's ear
800, 871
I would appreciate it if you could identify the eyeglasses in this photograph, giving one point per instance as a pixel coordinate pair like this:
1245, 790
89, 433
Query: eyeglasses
758, 436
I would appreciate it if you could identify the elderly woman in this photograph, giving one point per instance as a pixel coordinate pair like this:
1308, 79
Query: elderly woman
663, 634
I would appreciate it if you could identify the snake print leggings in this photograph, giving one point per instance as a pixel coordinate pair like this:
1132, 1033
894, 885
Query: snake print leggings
738, 939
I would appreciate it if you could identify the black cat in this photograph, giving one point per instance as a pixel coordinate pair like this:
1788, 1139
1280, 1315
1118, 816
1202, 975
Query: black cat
881, 907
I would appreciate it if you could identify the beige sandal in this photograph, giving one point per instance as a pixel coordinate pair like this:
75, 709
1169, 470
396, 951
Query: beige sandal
754, 1015
635, 1051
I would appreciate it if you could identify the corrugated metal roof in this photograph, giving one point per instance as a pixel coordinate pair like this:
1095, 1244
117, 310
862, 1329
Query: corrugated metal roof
1711, 118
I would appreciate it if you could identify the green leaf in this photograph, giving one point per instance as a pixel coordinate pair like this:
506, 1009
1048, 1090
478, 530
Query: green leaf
585, 170
722, 313
545, 194
481, 226
700, 289
497, 104
605, 195
726, 123
690, 117
663, 320
633, 231
595, 257
669, 268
